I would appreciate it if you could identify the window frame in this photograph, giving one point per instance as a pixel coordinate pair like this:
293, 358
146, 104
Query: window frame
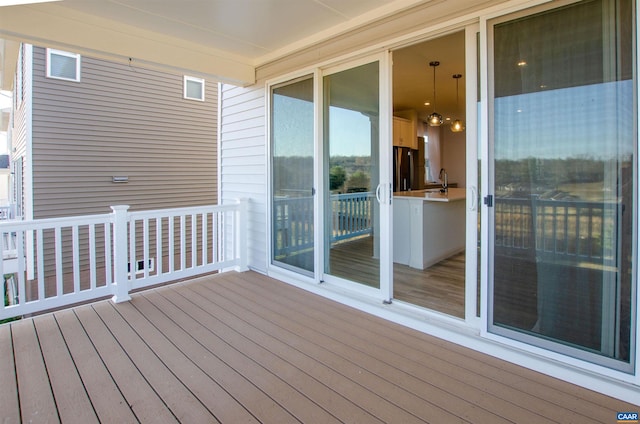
188, 79
75, 56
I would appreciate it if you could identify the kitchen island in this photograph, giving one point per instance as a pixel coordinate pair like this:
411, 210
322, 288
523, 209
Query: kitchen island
428, 226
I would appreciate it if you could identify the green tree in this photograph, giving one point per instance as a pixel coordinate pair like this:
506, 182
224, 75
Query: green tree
337, 177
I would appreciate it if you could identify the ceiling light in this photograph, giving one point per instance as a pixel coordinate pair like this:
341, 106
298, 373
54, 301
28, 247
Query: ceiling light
19, 2
457, 125
435, 119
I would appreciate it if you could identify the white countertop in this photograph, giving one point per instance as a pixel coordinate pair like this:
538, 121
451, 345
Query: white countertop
434, 195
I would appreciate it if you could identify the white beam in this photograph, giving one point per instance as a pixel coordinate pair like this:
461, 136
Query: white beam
53, 25
8, 58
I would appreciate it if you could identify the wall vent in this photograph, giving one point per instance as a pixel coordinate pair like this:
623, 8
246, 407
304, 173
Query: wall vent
140, 266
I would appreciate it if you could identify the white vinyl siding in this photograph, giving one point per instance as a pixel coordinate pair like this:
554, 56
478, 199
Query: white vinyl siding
21, 132
121, 120
243, 161
63, 65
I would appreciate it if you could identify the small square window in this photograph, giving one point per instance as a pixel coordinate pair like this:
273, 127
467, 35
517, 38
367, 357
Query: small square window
63, 65
193, 88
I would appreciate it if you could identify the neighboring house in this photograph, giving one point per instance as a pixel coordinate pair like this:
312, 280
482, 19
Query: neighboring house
90, 133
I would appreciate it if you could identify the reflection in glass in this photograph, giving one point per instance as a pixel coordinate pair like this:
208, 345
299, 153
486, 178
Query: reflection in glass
292, 175
351, 174
563, 173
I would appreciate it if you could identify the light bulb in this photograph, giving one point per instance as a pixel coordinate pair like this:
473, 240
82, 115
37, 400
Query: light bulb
456, 126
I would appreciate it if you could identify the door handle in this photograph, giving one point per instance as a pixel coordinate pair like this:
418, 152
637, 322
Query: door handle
474, 198
378, 190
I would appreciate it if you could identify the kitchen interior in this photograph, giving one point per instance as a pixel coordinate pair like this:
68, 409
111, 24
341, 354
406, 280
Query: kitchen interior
429, 161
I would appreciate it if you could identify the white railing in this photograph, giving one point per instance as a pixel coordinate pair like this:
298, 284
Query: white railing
7, 212
351, 217
557, 230
61, 261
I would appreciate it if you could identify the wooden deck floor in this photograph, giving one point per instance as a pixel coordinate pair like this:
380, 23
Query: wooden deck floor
238, 348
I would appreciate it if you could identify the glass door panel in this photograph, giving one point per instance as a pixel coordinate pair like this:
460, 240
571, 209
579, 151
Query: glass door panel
351, 174
563, 179
292, 165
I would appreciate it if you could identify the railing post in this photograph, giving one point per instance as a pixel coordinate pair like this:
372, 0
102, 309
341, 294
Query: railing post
120, 257
242, 234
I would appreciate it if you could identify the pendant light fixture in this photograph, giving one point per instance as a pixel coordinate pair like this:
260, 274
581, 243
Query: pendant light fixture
435, 119
457, 125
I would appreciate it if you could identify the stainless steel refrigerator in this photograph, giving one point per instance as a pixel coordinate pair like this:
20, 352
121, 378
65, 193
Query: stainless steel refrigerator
404, 168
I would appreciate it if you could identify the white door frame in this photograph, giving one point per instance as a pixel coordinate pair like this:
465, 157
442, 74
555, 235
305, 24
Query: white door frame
384, 188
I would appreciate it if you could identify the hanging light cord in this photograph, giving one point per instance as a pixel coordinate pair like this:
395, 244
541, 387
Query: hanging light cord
434, 64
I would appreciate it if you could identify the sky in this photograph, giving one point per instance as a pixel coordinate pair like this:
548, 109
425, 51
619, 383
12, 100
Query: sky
350, 131
584, 121
581, 121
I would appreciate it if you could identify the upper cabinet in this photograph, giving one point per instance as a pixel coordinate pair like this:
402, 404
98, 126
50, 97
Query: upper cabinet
404, 133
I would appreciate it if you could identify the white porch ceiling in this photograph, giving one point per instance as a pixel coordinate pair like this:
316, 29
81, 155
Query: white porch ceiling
226, 39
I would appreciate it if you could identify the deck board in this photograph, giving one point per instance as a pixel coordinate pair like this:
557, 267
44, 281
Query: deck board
70, 395
238, 333
306, 355
192, 338
9, 404
263, 370
544, 396
224, 391
36, 398
179, 399
140, 396
246, 348
105, 397
437, 380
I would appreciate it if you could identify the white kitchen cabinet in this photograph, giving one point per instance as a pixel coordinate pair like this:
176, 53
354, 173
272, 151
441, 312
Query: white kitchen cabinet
404, 133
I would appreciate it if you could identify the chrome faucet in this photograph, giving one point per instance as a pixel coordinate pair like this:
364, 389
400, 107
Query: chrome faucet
445, 180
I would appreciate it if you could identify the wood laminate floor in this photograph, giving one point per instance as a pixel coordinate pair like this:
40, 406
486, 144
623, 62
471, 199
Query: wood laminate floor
439, 287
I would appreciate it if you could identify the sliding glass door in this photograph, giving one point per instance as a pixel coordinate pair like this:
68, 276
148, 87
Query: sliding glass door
563, 161
353, 209
292, 173
351, 116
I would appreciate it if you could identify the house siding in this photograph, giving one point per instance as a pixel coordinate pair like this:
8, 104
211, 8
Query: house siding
120, 120
20, 125
243, 164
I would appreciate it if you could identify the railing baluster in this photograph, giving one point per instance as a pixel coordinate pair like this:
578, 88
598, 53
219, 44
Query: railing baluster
22, 289
132, 251
40, 259
214, 237
205, 238
92, 256
183, 243
108, 275
159, 238
171, 235
145, 247
75, 258
194, 240
58, 253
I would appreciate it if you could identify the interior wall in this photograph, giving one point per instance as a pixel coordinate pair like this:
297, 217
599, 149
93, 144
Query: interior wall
454, 150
